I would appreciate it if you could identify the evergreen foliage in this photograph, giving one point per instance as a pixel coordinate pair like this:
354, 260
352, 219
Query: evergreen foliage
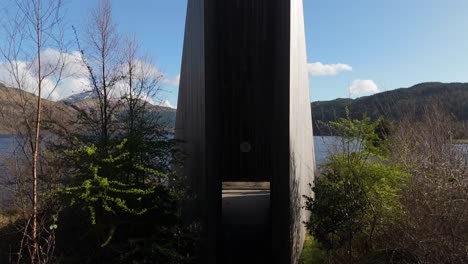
129, 211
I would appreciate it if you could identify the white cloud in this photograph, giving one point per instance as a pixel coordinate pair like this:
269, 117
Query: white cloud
166, 103
73, 66
148, 99
142, 70
320, 69
74, 78
173, 82
363, 87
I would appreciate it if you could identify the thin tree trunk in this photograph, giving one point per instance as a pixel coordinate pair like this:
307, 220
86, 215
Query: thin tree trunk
34, 171
36, 140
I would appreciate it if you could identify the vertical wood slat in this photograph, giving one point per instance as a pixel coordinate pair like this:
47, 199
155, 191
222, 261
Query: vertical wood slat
244, 77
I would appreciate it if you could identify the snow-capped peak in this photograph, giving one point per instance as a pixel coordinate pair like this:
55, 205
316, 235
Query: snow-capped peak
78, 97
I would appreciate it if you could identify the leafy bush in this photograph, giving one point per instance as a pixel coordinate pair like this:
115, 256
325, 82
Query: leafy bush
356, 196
126, 219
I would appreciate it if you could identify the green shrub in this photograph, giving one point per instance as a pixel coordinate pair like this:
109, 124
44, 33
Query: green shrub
122, 212
356, 195
312, 252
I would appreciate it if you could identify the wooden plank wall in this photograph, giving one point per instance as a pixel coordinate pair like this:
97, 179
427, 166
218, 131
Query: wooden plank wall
191, 129
244, 79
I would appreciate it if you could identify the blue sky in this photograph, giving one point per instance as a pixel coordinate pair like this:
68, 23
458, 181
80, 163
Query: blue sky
368, 45
395, 43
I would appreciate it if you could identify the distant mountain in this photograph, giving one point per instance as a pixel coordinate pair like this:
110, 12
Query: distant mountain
396, 104
15, 104
78, 97
86, 100
11, 110
393, 105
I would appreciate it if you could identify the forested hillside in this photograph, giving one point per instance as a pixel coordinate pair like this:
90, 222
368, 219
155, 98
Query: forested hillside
396, 104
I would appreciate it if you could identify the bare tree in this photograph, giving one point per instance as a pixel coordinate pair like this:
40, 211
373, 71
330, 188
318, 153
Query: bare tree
101, 58
434, 225
140, 121
33, 27
141, 83
122, 81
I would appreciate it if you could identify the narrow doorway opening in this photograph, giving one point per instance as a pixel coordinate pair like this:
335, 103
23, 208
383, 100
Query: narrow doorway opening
246, 220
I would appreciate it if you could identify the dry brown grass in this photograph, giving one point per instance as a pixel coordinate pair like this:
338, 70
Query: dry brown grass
17, 109
8, 217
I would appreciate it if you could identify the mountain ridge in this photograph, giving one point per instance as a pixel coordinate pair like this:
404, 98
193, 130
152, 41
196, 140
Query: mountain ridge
64, 109
396, 104
392, 105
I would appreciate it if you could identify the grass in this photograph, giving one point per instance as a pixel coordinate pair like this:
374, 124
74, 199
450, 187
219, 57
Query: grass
460, 141
312, 253
8, 217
